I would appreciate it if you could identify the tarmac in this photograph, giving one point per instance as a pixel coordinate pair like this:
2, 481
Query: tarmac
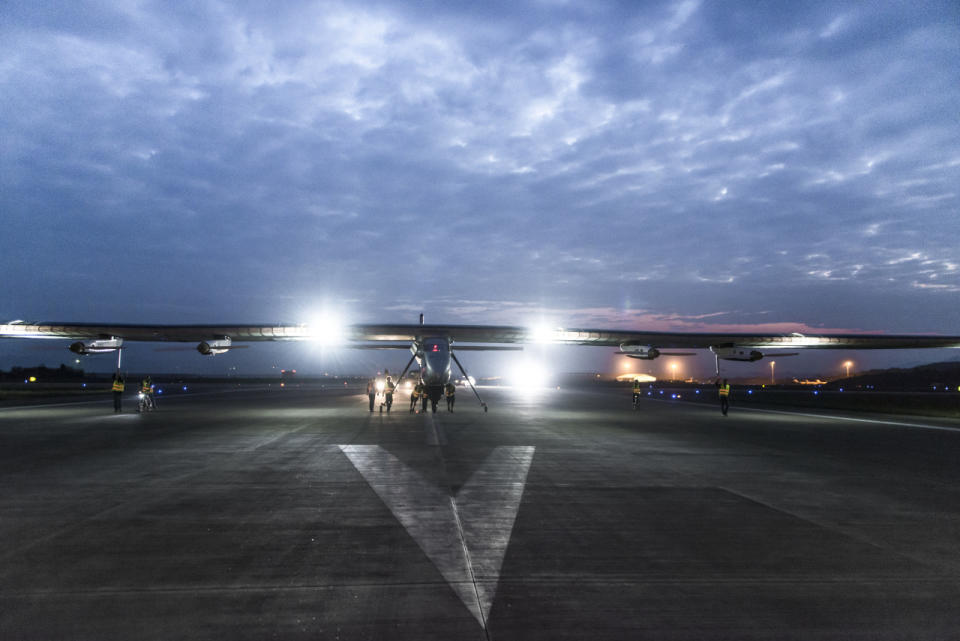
561, 514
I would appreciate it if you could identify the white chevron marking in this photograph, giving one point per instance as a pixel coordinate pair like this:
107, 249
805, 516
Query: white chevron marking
466, 536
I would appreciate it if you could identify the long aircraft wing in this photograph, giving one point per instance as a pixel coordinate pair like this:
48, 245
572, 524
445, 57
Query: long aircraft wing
476, 334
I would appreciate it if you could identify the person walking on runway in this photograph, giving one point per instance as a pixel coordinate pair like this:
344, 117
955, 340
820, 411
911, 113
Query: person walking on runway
371, 392
450, 390
724, 391
117, 388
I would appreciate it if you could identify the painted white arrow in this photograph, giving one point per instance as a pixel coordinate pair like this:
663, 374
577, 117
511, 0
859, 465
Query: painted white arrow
465, 536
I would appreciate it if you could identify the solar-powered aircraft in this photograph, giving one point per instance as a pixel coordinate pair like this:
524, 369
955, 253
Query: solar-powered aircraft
434, 347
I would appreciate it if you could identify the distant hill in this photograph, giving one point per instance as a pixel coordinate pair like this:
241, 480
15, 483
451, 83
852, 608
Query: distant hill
930, 377
42, 372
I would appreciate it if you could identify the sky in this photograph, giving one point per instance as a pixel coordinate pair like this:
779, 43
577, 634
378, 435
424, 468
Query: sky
647, 165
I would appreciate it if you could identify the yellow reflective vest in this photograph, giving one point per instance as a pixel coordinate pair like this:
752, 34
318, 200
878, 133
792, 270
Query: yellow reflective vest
725, 390
117, 385
451, 390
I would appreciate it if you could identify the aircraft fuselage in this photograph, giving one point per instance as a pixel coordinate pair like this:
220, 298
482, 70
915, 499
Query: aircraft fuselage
433, 356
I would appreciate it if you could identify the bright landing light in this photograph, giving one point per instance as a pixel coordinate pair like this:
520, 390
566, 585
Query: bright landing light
542, 334
326, 330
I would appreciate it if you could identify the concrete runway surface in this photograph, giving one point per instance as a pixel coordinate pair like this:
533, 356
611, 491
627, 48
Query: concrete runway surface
297, 514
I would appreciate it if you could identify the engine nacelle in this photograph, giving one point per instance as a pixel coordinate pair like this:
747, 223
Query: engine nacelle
99, 346
211, 348
737, 354
643, 352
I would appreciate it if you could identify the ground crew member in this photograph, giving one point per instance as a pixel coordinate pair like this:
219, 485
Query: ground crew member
371, 392
146, 386
451, 392
388, 393
415, 396
636, 391
724, 390
117, 391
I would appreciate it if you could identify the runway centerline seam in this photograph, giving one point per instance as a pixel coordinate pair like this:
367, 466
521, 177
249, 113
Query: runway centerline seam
459, 523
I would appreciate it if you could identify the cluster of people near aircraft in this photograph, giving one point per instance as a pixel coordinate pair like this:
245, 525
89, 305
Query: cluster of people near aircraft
384, 389
146, 399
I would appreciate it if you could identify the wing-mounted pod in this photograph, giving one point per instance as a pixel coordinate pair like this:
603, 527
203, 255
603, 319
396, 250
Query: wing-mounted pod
737, 354
646, 352
219, 346
98, 346
643, 352
746, 354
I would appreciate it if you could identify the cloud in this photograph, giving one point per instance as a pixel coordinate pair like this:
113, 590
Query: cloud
681, 156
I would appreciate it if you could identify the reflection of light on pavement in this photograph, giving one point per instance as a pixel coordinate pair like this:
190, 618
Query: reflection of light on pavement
529, 375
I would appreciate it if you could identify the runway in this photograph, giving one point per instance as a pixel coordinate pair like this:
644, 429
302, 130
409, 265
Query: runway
297, 514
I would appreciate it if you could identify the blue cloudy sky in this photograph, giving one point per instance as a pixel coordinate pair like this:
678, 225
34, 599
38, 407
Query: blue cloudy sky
658, 165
